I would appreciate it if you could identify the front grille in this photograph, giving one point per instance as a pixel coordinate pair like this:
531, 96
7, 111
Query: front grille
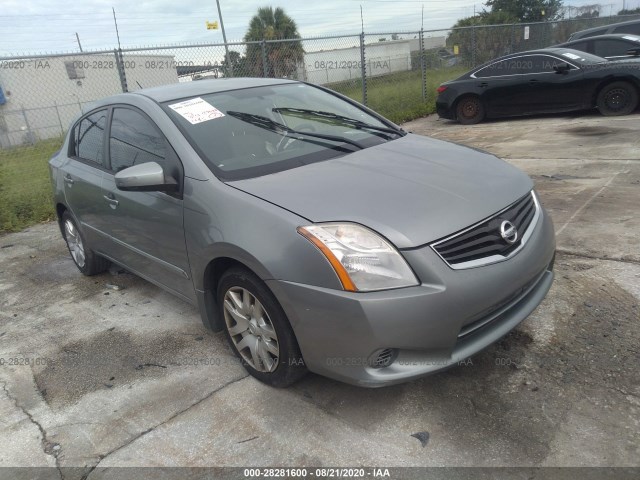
483, 243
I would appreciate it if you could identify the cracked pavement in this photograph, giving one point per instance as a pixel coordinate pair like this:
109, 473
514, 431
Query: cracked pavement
96, 378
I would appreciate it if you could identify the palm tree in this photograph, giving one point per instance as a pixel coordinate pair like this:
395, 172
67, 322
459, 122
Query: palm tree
282, 58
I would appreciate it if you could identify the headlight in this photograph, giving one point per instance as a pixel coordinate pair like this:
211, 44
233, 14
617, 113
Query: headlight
362, 259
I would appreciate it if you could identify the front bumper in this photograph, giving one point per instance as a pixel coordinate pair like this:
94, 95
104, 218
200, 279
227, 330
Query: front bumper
436, 325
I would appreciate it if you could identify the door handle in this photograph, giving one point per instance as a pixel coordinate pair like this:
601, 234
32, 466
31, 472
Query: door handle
483, 85
68, 179
533, 80
111, 199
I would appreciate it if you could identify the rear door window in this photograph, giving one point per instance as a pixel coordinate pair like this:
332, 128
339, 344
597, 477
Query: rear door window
527, 64
89, 137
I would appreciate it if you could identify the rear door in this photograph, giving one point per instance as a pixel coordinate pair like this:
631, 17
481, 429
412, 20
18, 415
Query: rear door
146, 227
500, 85
82, 175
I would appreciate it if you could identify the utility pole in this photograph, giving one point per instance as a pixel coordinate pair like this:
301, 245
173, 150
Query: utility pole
78, 39
116, 24
224, 38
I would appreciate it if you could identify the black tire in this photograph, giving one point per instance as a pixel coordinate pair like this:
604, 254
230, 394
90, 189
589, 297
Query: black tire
289, 367
92, 263
617, 98
470, 110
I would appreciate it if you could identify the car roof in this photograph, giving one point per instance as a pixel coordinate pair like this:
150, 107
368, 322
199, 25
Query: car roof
607, 36
542, 51
176, 91
581, 33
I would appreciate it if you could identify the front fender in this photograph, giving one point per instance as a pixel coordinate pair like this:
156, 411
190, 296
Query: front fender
224, 223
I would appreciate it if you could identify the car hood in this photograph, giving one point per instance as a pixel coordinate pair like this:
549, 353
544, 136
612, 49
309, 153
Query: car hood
412, 190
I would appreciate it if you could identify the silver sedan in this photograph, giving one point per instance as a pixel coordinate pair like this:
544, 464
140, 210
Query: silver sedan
318, 235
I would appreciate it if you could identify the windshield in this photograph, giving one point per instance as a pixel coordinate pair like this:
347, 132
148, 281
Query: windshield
256, 131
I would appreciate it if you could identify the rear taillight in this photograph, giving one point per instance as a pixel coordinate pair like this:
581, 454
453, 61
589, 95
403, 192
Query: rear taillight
442, 88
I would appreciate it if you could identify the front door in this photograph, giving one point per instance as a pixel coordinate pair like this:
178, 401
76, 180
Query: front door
146, 227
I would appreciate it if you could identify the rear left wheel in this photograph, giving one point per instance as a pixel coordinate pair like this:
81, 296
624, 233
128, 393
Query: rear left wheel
617, 98
258, 329
87, 262
470, 110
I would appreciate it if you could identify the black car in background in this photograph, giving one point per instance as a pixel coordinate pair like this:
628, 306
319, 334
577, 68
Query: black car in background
611, 47
541, 81
632, 27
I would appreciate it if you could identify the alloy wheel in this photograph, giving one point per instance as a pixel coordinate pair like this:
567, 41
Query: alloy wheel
251, 330
74, 242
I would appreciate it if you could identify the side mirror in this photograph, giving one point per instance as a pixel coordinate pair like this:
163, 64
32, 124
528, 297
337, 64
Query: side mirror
562, 68
146, 177
635, 51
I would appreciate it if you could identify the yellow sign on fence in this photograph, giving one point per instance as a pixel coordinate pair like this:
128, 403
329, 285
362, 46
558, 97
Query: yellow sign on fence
212, 25
456, 50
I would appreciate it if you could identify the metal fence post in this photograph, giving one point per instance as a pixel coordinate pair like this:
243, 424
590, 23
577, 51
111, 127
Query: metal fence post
364, 69
30, 135
55, 104
513, 38
423, 66
265, 71
473, 46
121, 72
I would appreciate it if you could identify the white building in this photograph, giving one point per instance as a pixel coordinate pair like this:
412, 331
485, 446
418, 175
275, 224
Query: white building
330, 66
429, 43
42, 96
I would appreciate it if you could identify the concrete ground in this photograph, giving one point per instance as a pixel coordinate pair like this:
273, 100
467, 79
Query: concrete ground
120, 377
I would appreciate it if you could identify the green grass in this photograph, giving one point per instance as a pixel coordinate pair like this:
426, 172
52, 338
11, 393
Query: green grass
25, 188
398, 96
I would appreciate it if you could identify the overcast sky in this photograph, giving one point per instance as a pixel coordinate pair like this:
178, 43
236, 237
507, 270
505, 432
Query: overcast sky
39, 26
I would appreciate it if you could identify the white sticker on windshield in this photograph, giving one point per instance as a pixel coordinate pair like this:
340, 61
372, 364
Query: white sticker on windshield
197, 110
572, 56
629, 37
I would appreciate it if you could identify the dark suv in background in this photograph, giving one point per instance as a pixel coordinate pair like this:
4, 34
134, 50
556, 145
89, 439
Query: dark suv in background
632, 27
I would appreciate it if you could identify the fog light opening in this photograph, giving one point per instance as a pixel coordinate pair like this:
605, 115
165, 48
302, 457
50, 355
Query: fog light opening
383, 358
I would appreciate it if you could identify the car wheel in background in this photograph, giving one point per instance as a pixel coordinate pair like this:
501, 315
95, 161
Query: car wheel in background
617, 98
87, 262
258, 329
470, 110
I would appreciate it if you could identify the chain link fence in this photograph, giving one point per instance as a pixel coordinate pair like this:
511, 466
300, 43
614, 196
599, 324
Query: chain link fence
393, 73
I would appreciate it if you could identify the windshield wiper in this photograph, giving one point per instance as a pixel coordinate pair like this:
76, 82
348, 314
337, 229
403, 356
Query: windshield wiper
333, 118
268, 124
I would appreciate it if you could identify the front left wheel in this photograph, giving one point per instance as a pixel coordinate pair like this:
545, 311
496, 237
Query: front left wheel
258, 329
